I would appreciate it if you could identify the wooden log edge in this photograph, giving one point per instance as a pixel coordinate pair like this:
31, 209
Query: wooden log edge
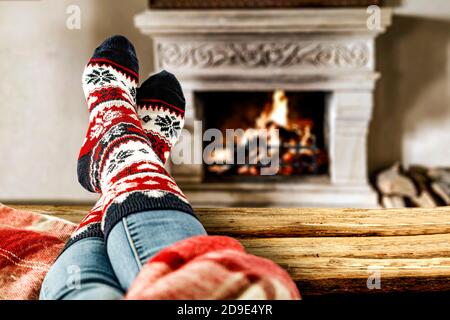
300, 222
335, 251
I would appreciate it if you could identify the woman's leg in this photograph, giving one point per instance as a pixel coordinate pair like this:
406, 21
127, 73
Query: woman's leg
82, 272
139, 236
132, 240
124, 162
124, 153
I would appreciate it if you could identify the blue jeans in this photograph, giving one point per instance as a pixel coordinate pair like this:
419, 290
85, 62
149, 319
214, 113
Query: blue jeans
92, 269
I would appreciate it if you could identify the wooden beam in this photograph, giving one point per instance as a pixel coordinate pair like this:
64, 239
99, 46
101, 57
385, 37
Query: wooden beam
301, 222
334, 251
342, 265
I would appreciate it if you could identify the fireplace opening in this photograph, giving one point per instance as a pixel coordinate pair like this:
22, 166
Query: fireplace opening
298, 118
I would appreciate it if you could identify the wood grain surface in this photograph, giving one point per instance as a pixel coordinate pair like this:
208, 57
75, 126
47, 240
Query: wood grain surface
334, 251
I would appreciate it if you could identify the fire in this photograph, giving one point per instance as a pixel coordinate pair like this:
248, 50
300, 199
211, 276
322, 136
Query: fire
278, 112
292, 135
220, 156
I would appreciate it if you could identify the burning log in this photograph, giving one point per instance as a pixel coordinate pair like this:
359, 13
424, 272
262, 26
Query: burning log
219, 169
285, 134
248, 170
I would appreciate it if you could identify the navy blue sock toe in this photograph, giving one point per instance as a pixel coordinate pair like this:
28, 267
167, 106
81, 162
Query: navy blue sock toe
119, 50
162, 86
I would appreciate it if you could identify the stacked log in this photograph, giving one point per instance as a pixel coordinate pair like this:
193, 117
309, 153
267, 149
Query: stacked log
413, 187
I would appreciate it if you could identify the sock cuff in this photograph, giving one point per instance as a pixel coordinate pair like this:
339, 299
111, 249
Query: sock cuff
93, 230
139, 202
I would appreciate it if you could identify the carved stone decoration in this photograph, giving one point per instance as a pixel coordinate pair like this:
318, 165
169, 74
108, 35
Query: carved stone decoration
262, 54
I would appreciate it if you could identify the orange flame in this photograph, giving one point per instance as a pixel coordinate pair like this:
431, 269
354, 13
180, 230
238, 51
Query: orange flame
278, 113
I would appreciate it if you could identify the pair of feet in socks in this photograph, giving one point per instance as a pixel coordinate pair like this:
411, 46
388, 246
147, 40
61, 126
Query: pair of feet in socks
131, 131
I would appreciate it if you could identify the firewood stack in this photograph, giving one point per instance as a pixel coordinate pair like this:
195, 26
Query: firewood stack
415, 187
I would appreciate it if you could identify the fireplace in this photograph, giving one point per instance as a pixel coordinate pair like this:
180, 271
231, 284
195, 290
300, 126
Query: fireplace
297, 118
307, 73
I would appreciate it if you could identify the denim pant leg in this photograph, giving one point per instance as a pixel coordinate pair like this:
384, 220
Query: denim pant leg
82, 272
140, 236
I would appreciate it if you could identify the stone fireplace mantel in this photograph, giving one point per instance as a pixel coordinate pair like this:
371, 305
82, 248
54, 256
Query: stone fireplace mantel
328, 50
259, 21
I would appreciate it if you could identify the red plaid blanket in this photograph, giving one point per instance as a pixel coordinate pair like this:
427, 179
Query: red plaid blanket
211, 267
29, 244
205, 267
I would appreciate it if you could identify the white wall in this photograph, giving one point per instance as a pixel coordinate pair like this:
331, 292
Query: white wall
412, 116
43, 114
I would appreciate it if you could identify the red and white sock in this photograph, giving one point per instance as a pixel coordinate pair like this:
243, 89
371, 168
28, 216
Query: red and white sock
160, 106
117, 158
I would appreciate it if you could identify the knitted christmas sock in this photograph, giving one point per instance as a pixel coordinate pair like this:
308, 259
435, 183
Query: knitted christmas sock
117, 159
90, 226
160, 106
111, 75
